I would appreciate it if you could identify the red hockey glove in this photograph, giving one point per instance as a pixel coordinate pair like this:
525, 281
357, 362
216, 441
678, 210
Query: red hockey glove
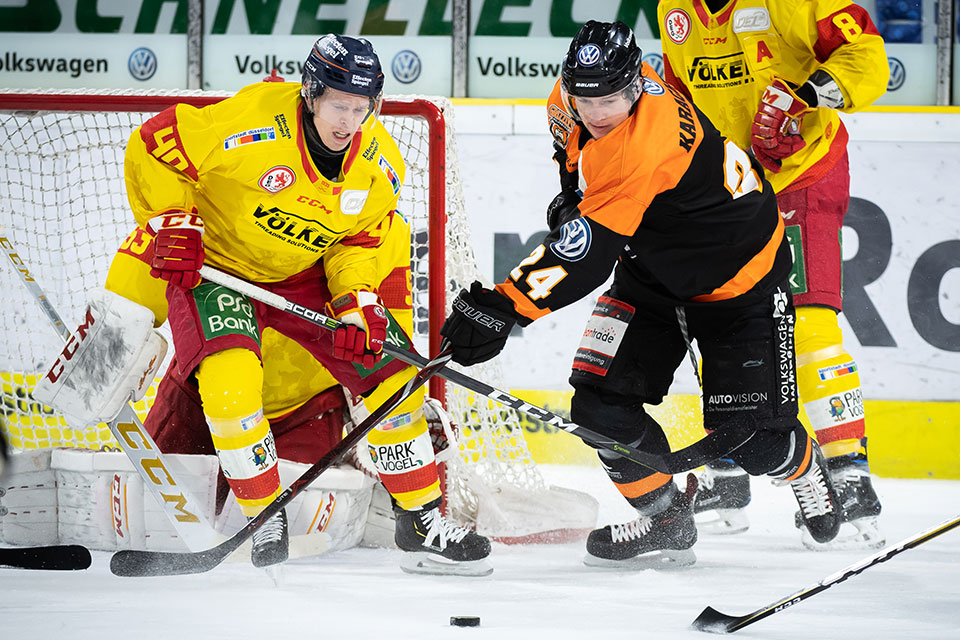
479, 324
178, 248
776, 126
361, 339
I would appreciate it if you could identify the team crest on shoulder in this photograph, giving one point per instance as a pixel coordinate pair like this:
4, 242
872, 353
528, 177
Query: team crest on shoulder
391, 174
653, 87
277, 179
676, 24
574, 242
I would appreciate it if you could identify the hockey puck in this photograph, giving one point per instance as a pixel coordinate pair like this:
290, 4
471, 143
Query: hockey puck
464, 621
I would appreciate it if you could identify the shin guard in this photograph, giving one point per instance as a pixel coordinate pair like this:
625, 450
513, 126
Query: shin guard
828, 381
230, 388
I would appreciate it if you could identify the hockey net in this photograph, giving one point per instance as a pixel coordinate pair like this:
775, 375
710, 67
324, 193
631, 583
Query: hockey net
64, 210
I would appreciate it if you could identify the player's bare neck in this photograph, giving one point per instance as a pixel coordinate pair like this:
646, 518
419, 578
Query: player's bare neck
328, 162
716, 5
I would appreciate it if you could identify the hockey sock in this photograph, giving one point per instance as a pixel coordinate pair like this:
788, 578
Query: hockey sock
648, 493
402, 451
230, 388
828, 382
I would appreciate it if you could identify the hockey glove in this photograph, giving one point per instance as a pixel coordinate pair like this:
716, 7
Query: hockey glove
178, 248
563, 208
361, 338
775, 134
479, 324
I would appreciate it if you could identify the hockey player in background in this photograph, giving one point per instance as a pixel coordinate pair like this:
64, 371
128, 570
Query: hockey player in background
294, 187
772, 77
700, 252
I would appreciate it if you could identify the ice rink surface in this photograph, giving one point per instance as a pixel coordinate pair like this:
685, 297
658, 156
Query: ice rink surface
536, 592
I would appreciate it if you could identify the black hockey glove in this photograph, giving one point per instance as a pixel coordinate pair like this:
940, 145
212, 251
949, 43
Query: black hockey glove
563, 208
479, 324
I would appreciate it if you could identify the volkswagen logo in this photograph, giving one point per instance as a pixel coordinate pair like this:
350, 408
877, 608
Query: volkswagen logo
588, 55
142, 63
406, 66
898, 74
655, 60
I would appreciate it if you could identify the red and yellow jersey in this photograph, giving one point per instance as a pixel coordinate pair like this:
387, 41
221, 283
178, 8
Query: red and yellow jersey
724, 61
291, 375
243, 166
687, 214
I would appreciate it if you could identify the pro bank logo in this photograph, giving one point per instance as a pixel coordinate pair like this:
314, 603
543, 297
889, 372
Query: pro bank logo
406, 66
142, 64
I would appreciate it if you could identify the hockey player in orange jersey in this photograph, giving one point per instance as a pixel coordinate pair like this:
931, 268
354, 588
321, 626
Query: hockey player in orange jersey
772, 76
699, 249
294, 187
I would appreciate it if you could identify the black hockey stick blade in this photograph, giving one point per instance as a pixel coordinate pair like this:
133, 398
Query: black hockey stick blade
712, 621
66, 557
137, 563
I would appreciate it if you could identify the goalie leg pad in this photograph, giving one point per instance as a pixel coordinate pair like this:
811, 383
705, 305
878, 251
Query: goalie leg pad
111, 358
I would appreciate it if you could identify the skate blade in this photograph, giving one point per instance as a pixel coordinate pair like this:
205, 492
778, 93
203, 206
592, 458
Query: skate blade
431, 564
275, 573
665, 560
866, 535
722, 522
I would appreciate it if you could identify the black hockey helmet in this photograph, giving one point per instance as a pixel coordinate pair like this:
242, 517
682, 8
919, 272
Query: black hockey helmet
603, 58
343, 63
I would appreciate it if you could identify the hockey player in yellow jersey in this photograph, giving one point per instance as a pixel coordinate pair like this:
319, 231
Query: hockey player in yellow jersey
294, 187
772, 76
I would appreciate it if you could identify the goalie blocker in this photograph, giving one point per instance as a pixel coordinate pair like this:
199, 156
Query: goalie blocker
111, 357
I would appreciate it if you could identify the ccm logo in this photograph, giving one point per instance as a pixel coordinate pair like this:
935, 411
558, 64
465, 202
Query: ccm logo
116, 489
73, 344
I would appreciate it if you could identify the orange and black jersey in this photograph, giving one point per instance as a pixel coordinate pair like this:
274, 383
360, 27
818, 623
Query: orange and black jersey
687, 214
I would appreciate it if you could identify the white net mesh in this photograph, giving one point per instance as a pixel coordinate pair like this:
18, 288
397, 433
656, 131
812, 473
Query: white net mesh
64, 209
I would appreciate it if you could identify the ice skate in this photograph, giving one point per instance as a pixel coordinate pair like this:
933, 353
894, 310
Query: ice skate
859, 504
660, 541
817, 497
271, 542
434, 545
722, 496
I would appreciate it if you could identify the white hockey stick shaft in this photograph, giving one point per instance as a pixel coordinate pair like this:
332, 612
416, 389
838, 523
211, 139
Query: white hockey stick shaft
184, 512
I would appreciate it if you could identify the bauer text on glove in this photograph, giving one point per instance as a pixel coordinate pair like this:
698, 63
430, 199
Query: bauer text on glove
479, 324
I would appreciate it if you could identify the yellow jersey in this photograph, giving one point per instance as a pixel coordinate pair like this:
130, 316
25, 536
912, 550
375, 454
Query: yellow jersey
242, 165
723, 61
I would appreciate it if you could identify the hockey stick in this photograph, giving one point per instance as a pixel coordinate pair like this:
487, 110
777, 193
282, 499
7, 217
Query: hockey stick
180, 508
158, 563
715, 445
61, 557
712, 621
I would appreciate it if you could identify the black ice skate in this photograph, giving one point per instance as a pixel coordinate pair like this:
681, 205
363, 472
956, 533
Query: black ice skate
434, 545
722, 497
817, 497
660, 541
271, 542
859, 505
